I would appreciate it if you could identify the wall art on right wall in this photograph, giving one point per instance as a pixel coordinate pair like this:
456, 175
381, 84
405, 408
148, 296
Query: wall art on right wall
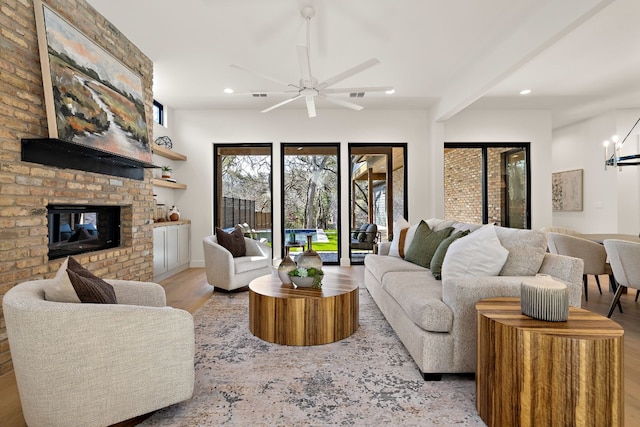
566, 191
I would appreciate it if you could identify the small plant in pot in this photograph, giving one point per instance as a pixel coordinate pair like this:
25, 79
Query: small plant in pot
307, 277
166, 171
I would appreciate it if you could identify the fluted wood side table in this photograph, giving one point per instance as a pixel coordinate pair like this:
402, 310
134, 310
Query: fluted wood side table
536, 373
283, 314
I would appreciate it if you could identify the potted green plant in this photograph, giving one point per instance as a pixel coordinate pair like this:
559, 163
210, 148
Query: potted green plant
166, 171
307, 277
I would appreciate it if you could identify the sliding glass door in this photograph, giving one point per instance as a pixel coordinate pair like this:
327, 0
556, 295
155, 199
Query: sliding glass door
243, 189
311, 198
378, 192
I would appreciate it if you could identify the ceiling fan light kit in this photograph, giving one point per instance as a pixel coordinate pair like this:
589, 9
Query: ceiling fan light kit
308, 87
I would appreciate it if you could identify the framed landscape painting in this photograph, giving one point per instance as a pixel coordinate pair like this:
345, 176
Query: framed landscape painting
91, 98
566, 190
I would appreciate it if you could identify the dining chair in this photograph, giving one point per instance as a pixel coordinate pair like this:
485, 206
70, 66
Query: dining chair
593, 254
625, 262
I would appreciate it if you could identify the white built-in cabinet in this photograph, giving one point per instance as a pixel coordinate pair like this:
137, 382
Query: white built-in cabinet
171, 246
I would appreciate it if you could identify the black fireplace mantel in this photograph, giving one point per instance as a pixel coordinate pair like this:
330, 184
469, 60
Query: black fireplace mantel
71, 155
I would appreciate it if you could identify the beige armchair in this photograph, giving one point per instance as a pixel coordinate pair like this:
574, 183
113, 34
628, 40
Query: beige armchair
593, 254
229, 273
625, 263
98, 364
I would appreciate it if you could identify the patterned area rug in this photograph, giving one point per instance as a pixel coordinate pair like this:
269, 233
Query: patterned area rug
365, 379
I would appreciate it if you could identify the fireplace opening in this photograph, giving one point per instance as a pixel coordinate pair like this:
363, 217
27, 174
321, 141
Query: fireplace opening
76, 229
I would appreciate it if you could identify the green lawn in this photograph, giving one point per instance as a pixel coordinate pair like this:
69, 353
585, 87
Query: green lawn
330, 246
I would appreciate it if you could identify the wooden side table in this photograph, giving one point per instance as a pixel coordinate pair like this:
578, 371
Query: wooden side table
536, 373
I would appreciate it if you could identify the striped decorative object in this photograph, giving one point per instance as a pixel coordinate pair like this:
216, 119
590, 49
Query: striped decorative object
544, 298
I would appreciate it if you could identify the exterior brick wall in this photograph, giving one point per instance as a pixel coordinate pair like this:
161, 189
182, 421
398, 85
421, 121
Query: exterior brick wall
463, 184
27, 188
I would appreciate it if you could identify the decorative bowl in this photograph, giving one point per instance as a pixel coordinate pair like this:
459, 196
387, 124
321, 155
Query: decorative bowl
302, 282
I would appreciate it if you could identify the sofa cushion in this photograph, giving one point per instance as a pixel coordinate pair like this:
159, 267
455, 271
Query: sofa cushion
438, 224
526, 251
379, 265
438, 256
362, 235
233, 242
425, 243
89, 287
400, 227
59, 288
249, 263
420, 296
476, 255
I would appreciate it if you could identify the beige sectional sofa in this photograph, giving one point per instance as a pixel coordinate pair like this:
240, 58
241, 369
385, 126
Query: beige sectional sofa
436, 319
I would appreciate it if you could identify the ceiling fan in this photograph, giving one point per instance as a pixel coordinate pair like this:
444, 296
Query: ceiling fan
309, 88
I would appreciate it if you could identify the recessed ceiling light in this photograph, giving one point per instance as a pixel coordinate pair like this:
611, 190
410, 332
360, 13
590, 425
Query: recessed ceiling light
525, 91
228, 90
390, 91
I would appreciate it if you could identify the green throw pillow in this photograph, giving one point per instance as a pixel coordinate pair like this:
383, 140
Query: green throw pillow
425, 243
438, 257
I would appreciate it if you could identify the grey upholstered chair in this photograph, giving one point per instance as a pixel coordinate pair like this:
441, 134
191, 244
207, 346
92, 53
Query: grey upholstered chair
229, 273
561, 230
98, 364
593, 254
624, 257
365, 238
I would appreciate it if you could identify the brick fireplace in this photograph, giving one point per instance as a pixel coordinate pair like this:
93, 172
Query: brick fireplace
26, 189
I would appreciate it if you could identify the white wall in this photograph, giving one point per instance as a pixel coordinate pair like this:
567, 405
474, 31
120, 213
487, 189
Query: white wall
610, 197
532, 126
198, 130
165, 196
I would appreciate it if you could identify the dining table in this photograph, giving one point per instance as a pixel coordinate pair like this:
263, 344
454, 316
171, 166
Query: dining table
601, 237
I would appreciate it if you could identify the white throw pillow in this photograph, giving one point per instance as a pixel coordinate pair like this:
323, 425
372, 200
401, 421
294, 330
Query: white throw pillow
476, 255
398, 226
60, 288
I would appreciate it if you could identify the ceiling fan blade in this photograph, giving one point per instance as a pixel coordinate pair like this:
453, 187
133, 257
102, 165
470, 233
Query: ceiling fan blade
311, 106
267, 92
305, 65
261, 75
280, 104
358, 89
342, 102
346, 74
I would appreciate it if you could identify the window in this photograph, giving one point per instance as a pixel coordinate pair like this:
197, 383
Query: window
158, 112
488, 183
311, 197
243, 189
378, 190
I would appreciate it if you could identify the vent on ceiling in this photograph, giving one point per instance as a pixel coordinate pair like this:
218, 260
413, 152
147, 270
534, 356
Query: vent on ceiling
259, 95
356, 95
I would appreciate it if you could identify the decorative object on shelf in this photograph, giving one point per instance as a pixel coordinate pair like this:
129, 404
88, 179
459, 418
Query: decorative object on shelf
165, 141
292, 236
287, 265
309, 258
166, 171
544, 298
307, 277
173, 214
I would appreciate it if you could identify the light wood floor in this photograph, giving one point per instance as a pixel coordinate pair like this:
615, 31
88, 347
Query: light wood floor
189, 289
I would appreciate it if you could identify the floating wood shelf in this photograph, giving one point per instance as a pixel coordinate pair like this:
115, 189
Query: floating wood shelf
168, 184
166, 153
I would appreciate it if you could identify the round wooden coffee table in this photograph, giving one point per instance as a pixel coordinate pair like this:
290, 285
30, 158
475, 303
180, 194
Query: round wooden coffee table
283, 314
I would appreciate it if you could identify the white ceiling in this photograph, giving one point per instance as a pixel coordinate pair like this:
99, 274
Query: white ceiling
580, 57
